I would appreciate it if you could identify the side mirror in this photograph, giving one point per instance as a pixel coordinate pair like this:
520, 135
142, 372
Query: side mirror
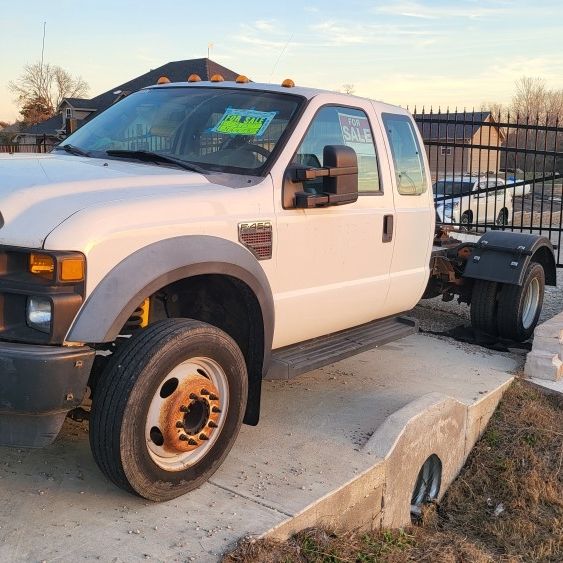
339, 175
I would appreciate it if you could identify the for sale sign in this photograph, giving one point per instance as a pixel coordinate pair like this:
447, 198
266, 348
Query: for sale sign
356, 133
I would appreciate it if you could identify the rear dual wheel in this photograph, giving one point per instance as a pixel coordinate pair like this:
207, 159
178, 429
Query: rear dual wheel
509, 311
168, 408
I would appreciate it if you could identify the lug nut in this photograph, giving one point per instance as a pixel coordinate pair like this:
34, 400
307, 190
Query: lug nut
193, 396
183, 408
184, 438
211, 424
215, 409
204, 392
179, 424
203, 437
213, 397
192, 442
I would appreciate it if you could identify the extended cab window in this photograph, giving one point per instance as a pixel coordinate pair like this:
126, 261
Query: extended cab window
333, 125
407, 159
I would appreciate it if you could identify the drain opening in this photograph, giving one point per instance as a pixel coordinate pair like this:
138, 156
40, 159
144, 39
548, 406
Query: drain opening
427, 487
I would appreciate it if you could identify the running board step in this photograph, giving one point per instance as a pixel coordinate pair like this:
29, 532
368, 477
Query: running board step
294, 360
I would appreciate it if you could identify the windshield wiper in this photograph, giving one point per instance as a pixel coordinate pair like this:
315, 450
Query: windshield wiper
155, 157
71, 149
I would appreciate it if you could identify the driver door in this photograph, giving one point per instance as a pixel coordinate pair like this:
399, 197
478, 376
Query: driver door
332, 264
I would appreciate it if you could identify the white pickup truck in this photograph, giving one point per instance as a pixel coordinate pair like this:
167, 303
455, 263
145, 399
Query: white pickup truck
197, 237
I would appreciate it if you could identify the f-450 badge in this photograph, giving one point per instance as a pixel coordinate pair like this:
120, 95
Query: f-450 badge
257, 237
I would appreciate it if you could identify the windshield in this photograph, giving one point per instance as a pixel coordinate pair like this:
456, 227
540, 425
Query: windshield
456, 188
216, 129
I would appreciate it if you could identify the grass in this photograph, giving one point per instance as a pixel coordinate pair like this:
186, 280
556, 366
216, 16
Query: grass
505, 506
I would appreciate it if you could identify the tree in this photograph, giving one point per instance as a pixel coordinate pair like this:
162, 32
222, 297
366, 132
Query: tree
348, 88
35, 111
532, 98
42, 87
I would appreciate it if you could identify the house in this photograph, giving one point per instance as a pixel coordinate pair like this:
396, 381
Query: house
74, 112
461, 143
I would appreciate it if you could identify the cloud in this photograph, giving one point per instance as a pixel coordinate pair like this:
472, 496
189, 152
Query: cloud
264, 25
418, 10
330, 33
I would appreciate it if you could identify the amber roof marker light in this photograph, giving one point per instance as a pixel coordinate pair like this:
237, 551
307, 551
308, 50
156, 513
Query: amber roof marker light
288, 83
163, 80
194, 78
217, 78
241, 79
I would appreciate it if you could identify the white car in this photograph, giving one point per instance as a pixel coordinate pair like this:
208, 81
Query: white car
465, 201
519, 190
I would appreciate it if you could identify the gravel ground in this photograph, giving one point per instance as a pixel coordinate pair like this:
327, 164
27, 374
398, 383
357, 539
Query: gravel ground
436, 315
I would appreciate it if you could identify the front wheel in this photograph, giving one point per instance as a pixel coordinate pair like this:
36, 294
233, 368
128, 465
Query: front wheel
168, 408
519, 307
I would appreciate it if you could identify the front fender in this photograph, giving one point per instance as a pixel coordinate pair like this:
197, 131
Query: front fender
152, 267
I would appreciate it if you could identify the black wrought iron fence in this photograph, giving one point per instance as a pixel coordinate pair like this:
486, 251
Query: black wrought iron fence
496, 172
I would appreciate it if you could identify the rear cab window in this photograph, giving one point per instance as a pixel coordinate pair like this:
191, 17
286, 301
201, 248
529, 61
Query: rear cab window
406, 153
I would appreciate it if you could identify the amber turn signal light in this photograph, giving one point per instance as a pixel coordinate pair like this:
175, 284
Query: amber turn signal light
194, 78
41, 264
217, 78
72, 269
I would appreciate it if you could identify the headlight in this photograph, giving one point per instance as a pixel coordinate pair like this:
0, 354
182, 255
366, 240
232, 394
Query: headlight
39, 314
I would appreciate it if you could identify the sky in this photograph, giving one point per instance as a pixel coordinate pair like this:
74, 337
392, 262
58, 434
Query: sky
456, 53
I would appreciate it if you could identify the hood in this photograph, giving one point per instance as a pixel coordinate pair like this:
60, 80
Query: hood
38, 192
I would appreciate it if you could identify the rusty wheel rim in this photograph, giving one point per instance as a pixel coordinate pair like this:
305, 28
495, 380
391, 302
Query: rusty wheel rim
187, 414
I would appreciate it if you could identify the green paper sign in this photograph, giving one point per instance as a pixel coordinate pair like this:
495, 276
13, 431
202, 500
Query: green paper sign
244, 122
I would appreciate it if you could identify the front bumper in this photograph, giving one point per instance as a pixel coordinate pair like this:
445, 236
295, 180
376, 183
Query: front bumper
38, 386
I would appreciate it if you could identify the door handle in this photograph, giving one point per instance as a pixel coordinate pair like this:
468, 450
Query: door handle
387, 228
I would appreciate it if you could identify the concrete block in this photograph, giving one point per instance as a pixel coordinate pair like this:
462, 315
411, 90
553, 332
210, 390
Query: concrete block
479, 414
355, 505
545, 361
432, 424
541, 364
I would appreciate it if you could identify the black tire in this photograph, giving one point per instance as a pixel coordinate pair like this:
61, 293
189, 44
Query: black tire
502, 218
120, 406
515, 320
484, 307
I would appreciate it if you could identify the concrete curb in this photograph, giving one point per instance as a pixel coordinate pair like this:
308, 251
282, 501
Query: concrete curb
380, 496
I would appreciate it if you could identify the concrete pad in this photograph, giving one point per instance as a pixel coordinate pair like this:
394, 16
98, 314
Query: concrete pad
320, 454
545, 361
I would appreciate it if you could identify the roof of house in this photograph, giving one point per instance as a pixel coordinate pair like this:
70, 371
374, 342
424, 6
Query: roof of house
47, 127
176, 71
460, 125
79, 103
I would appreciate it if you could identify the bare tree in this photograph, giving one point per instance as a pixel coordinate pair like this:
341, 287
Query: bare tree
348, 88
534, 102
46, 84
496, 109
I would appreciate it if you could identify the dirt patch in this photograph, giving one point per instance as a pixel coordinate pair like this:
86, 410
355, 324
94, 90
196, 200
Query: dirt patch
506, 505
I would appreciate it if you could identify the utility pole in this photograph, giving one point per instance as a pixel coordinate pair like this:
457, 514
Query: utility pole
43, 45
42, 78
